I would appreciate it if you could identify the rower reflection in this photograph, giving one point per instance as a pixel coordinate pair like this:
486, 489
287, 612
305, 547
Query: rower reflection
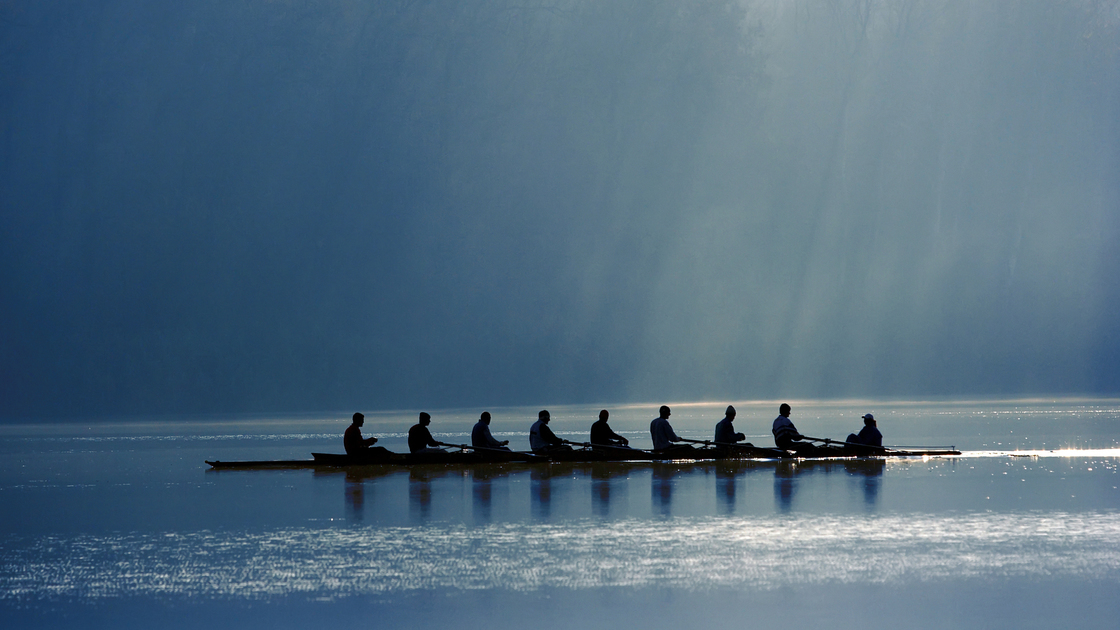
482, 493
355, 497
869, 475
601, 490
725, 487
541, 490
785, 484
419, 493
661, 489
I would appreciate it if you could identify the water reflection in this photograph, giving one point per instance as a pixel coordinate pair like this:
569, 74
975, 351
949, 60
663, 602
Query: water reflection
869, 475
419, 493
867, 472
482, 492
785, 484
355, 496
540, 488
661, 489
601, 492
725, 487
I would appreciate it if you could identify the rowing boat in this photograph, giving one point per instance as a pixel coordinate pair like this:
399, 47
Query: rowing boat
382, 457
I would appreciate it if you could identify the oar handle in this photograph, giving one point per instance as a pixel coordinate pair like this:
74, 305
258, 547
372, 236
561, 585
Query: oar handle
628, 449
590, 445
490, 449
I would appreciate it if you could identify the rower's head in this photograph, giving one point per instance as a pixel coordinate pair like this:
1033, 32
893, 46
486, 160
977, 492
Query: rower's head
485, 417
784, 410
604, 414
730, 413
869, 420
543, 415
425, 419
664, 411
359, 419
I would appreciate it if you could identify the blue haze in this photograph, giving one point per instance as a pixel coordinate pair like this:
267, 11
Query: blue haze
249, 206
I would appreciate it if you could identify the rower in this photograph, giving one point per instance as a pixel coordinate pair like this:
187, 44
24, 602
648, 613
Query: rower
725, 430
353, 441
420, 439
480, 434
541, 438
663, 435
869, 435
602, 434
786, 435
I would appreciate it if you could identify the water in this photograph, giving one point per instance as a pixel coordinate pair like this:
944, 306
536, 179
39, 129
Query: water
123, 525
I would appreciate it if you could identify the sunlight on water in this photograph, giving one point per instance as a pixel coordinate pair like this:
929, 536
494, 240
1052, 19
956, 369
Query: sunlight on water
694, 553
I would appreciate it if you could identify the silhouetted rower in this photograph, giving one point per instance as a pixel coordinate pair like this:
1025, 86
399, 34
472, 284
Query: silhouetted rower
663, 435
725, 430
602, 434
481, 437
353, 441
542, 439
786, 435
420, 439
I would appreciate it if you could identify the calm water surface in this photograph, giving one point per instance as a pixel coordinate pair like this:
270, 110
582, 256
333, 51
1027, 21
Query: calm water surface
123, 525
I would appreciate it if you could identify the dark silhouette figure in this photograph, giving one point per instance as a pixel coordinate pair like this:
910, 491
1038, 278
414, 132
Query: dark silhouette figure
420, 439
357, 445
541, 438
663, 436
725, 431
602, 434
869, 435
786, 435
480, 434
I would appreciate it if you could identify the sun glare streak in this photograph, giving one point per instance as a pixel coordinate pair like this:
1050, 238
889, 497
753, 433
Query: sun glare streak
689, 553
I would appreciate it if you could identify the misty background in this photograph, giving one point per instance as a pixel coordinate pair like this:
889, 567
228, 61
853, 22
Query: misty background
259, 206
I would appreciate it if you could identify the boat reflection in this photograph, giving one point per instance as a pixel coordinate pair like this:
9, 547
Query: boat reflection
867, 472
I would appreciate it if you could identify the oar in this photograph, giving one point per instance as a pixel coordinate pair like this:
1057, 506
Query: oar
777, 452
617, 448
828, 441
529, 456
704, 442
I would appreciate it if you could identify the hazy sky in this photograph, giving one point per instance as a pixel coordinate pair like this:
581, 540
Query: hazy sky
268, 206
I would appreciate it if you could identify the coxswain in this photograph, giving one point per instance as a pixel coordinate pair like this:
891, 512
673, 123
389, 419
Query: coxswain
541, 438
480, 434
869, 435
663, 436
601, 433
420, 439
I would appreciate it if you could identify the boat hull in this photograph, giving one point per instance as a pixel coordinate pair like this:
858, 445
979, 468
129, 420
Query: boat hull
588, 455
